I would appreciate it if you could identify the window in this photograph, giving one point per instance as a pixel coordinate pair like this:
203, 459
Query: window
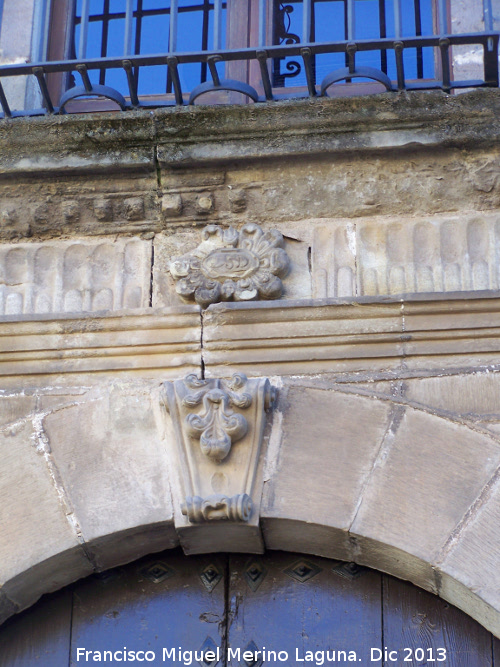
108, 31
106, 28
331, 20
165, 52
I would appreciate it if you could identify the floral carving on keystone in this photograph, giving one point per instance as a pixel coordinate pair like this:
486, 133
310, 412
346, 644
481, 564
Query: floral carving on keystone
231, 265
218, 481
218, 427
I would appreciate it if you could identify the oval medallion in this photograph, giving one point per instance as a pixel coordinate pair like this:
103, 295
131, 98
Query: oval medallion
230, 264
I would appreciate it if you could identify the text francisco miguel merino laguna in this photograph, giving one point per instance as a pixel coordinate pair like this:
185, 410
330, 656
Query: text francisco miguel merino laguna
233, 656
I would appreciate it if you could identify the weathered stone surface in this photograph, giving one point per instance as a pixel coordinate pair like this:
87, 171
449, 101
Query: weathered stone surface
399, 336
374, 196
467, 59
244, 265
7, 607
90, 206
428, 473
146, 343
307, 537
72, 276
16, 47
171, 206
109, 452
332, 123
364, 158
47, 576
469, 565
475, 396
394, 256
39, 506
328, 447
301, 337
167, 247
216, 431
126, 546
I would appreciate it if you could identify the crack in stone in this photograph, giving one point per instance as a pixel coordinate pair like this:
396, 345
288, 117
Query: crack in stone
202, 348
42, 446
482, 499
395, 417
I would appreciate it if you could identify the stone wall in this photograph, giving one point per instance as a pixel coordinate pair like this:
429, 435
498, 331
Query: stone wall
381, 443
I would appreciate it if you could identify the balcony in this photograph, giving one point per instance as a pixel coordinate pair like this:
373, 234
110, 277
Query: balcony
286, 53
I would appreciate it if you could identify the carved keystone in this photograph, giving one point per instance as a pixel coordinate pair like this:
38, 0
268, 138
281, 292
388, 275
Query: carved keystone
244, 266
219, 426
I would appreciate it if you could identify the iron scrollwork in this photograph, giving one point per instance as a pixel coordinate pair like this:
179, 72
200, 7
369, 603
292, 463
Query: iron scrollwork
282, 35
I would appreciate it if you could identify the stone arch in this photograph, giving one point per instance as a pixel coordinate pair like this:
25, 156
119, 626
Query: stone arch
367, 473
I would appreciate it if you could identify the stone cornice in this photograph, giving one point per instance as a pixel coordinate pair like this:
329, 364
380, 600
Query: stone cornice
146, 343
396, 335
400, 335
205, 135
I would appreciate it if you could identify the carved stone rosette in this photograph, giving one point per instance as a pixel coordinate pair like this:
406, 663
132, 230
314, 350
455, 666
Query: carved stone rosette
230, 265
218, 427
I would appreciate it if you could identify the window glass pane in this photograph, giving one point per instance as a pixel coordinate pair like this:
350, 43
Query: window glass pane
189, 30
366, 19
150, 35
115, 37
154, 34
94, 38
155, 4
152, 80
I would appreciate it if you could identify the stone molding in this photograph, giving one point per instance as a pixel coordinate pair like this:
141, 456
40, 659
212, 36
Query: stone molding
87, 275
399, 335
203, 179
191, 135
218, 427
144, 342
448, 252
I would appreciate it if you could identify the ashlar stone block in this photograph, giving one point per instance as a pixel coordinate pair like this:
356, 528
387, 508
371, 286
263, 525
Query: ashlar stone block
428, 473
469, 571
29, 565
388, 255
327, 450
110, 453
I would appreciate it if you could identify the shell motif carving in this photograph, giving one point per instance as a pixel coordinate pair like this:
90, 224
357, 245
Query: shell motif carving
218, 427
231, 265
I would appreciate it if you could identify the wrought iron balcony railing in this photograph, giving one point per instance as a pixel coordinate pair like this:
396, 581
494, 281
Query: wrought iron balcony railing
275, 44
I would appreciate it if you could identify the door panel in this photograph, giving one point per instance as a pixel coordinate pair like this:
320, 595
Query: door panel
279, 601
414, 619
302, 603
158, 602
